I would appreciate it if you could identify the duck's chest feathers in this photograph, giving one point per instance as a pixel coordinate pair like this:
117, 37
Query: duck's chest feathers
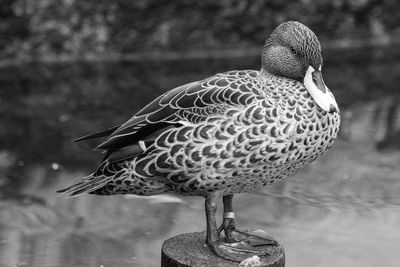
313, 129
296, 131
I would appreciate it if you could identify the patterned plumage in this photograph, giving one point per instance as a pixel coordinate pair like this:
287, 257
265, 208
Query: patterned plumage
230, 133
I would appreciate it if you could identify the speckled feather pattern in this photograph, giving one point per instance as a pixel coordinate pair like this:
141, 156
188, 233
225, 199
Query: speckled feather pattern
234, 132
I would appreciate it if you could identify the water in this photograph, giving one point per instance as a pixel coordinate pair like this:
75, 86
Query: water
343, 210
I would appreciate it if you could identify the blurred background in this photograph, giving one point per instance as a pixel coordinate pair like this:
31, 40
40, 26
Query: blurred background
70, 67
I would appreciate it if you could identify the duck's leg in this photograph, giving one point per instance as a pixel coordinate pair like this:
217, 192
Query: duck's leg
212, 239
236, 251
254, 238
211, 233
228, 222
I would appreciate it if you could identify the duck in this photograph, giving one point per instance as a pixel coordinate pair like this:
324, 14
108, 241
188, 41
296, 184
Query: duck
230, 133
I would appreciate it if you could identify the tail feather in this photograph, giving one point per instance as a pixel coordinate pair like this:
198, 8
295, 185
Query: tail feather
89, 184
97, 134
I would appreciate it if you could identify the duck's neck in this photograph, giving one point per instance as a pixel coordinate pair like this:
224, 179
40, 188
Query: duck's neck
264, 74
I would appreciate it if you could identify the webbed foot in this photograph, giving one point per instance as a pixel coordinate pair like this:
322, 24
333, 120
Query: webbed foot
236, 252
253, 237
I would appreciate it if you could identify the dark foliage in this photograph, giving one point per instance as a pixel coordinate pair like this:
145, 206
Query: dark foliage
73, 28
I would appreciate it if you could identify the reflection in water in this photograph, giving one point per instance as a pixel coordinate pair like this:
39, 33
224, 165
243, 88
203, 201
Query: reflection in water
343, 210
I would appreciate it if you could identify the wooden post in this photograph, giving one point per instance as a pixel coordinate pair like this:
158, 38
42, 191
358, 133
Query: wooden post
190, 250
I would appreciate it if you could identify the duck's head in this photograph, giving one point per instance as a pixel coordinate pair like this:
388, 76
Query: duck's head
293, 51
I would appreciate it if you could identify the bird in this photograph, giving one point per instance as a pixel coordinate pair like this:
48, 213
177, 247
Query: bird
230, 133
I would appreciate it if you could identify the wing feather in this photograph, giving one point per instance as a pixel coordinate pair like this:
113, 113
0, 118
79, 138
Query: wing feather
184, 104
97, 134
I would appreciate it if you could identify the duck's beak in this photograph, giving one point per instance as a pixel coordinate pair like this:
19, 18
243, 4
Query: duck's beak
319, 91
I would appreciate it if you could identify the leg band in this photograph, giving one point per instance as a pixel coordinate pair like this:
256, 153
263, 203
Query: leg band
229, 215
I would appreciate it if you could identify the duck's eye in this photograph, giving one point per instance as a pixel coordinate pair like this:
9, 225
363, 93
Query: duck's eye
293, 50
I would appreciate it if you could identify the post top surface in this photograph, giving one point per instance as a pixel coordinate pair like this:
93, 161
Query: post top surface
190, 250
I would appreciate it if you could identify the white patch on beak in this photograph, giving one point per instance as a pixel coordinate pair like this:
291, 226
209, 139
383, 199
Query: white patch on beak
319, 91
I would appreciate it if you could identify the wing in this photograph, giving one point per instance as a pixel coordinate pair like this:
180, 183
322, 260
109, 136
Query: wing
97, 134
189, 103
